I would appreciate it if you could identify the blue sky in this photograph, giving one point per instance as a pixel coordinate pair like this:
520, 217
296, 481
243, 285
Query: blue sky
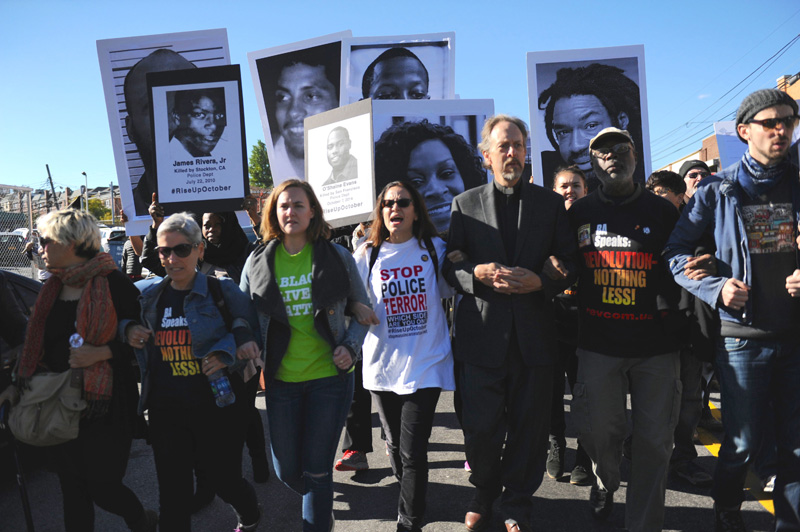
52, 107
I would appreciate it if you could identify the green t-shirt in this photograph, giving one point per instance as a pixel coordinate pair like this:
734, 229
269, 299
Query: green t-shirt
308, 356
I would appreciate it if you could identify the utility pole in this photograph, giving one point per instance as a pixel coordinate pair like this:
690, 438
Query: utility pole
111, 190
86, 191
52, 188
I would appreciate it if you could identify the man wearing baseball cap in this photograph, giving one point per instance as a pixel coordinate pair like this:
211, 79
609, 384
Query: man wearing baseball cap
628, 312
692, 172
752, 209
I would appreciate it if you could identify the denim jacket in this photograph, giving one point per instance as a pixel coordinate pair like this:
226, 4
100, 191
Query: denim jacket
206, 325
715, 208
334, 283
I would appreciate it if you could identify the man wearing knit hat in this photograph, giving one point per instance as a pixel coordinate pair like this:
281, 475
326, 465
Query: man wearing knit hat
752, 209
692, 172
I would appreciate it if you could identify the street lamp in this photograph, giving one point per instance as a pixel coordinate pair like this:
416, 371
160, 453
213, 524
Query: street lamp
86, 191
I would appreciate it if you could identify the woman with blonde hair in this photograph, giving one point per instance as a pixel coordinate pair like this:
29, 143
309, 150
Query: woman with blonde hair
74, 325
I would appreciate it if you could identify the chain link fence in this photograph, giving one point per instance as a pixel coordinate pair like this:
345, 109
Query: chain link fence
17, 213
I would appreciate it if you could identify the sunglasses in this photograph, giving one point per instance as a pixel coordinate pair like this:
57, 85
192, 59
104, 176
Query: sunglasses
698, 175
617, 149
772, 123
181, 250
43, 241
402, 203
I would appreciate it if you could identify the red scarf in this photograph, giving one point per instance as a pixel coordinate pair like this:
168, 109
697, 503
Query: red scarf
96, 320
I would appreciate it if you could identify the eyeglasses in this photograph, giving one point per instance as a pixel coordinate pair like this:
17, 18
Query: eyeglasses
771, 123
618, 149
181, 250
698, 175
402, 203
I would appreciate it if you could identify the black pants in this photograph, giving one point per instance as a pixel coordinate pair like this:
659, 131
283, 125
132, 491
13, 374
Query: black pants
506, 419
358, 427
256, 442
90, 470
407, 421
212, 436
566, 364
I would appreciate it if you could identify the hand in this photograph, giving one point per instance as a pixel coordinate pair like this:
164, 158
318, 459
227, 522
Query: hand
248, 351
554, 269
486, 273
734, 294
342, 358
700, 267
456, 256
793, 284
137, 335
28, 247
10, 395
87, 354
156, 211
212, 363
518, 281
363, 313
123, 218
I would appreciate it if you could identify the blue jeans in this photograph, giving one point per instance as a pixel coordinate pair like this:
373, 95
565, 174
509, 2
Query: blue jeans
756, 376
305, 421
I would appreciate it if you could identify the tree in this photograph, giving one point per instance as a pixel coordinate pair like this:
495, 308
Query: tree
98, 210
260, 172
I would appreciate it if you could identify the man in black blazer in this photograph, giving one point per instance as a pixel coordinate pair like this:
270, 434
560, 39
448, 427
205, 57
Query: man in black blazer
504, 327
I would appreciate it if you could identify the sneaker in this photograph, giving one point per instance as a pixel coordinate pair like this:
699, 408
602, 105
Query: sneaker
769, 484
249, 528
467, 468
693, 474
728, 520
581, 476
709, 422
601, 502
352, 461
555, 460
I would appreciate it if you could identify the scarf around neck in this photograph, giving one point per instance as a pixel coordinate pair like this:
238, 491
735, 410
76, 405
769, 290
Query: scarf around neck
96, 320
757, 179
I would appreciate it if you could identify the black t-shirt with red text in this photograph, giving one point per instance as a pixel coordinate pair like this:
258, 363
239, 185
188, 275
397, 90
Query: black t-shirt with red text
177, 380
624, 281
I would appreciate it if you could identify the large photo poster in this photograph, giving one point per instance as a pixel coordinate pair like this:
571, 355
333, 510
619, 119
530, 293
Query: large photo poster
292, 82
124, 65
575, 94
434, 145
339, 162
198, 128
403, 67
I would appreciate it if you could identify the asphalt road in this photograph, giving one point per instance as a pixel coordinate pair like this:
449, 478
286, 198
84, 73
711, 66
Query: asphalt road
367, 501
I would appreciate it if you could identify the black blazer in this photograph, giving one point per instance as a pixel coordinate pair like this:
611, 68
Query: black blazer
484, 317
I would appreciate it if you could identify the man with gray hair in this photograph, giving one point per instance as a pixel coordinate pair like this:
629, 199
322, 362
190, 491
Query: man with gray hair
752, 209
504, 341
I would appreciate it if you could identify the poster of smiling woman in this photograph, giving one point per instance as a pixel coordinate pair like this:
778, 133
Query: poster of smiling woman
201, 161
575, 94
292, 82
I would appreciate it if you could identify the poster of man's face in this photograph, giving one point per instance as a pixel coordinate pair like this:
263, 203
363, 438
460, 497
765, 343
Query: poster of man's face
339, 162
124, 65
410, 67
201, 160
575, 94
432, 144
293, 82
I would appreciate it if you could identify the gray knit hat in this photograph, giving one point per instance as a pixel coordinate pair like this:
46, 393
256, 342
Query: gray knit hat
760, 100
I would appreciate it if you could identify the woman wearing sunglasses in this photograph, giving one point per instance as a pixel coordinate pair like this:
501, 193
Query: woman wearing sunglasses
186, 337
74, 325
302, 284
407, 356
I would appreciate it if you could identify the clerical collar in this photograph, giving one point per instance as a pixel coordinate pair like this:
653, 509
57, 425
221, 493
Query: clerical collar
508, 191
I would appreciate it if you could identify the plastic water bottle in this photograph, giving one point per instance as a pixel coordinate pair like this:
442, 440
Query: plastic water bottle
221, 386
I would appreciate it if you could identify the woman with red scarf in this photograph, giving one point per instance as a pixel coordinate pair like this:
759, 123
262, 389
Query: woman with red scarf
74, 325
